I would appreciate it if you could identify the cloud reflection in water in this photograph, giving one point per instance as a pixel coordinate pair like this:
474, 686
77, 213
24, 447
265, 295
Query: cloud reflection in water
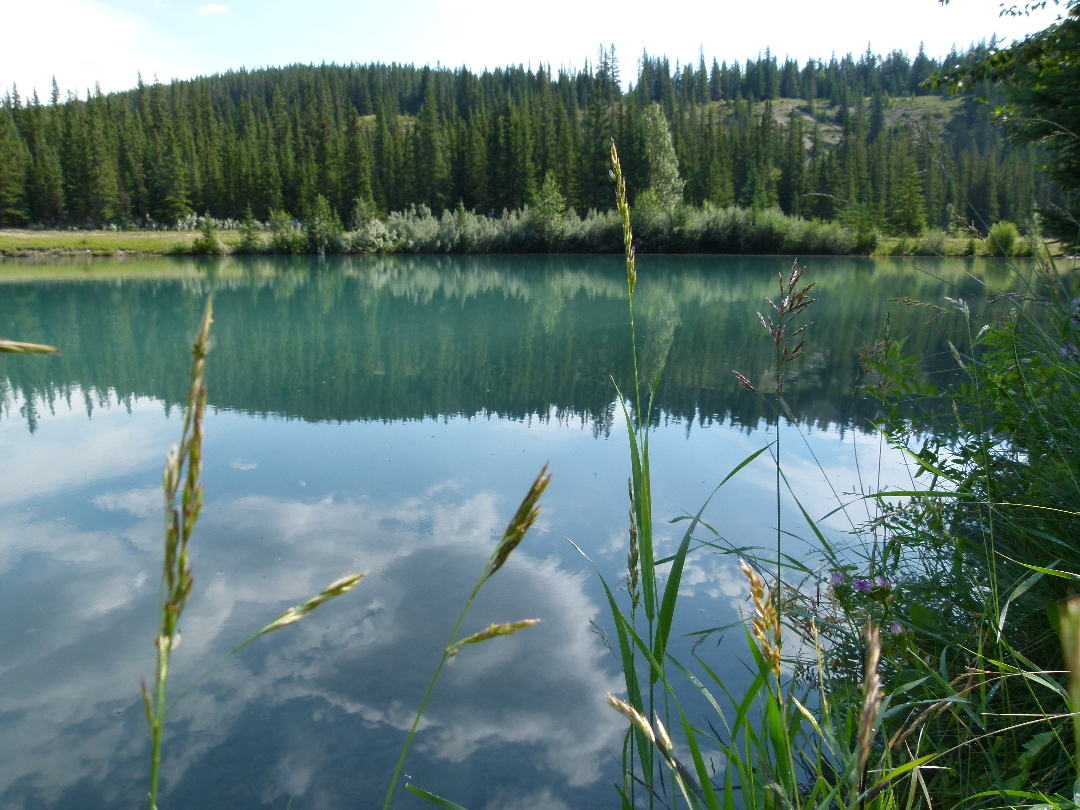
318, 710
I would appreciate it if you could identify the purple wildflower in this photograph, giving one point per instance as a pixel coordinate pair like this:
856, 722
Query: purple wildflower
861, 585
838, 578
1069, 350
883, 583
895, 628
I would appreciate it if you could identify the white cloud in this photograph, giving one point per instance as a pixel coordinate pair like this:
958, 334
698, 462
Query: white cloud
74, 54
213, 9
119, 444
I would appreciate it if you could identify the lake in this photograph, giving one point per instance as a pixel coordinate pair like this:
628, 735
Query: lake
387, 415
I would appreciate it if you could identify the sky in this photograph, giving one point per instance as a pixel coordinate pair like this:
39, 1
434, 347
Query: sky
81, 42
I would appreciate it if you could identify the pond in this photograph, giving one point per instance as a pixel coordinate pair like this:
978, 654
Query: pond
386, 415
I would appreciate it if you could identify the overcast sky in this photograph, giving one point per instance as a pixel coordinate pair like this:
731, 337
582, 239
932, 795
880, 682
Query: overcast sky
83, 41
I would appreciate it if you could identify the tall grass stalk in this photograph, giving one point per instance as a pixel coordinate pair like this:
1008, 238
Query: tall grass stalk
659, 594
176, 578
786, 742
519, 525
788, 307
184, 464
18, 347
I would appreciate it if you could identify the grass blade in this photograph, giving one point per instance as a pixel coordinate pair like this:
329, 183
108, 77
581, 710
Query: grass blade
438, 801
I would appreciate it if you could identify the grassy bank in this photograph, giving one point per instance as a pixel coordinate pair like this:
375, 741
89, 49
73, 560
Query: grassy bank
94, 243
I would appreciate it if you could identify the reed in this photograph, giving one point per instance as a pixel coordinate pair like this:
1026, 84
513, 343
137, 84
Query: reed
519, 525
778, 752
18, 347
182, 508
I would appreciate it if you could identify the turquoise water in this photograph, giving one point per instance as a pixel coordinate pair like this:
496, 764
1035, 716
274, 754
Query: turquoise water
386, 416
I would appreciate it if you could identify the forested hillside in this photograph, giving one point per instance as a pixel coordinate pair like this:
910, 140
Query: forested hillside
857, 140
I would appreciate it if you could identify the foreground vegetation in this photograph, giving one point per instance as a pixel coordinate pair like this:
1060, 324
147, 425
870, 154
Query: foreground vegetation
921, 663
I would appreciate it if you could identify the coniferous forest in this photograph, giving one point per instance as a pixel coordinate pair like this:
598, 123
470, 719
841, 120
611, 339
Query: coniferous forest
859, 141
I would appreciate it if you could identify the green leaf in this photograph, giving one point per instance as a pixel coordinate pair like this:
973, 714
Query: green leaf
438, 801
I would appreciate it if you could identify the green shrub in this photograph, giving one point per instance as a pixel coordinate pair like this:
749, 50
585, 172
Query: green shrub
1003, 239
250, 238
285, 236
207, 243
546, 215
932, 243
322, 229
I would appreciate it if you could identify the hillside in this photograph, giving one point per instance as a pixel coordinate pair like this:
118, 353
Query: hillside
860, 141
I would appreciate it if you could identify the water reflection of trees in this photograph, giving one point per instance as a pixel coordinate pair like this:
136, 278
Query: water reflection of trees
408, 338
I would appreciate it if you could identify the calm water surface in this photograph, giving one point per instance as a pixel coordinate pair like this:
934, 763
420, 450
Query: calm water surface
386, 416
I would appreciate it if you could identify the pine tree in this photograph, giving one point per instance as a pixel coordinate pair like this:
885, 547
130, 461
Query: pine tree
907, 206
356, 173
661, 160
431, 165
12, 171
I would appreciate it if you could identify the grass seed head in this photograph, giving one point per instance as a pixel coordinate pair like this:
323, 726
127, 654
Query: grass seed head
18, 347
633, 715
662, 735
1069, 631
493, 631
871, 702
765, 623
295, 614
521, 522
624, 214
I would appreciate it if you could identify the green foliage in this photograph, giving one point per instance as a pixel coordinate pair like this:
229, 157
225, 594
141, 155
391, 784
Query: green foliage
363, 212
1003, 239
12, 172
1040, 77
322, 229
285, 236
397, 136
546, 214
250, 236
207, 243
776, 752
662, 164
980, 549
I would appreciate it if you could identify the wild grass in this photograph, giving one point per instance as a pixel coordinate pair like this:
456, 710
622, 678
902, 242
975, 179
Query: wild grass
981, 554
182, 508
94, 243
20, 347
183, 503
777, 752
926, 668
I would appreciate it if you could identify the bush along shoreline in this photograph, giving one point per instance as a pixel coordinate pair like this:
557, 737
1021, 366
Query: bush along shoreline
544, 227
547, 227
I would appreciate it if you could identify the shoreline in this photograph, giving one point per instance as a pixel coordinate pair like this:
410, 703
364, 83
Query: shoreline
32, 244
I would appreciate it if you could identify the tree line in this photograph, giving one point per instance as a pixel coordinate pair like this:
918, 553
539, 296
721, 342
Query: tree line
392, 137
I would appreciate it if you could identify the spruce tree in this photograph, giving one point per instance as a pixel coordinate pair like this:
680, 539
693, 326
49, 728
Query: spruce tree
12, 171
662, 162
